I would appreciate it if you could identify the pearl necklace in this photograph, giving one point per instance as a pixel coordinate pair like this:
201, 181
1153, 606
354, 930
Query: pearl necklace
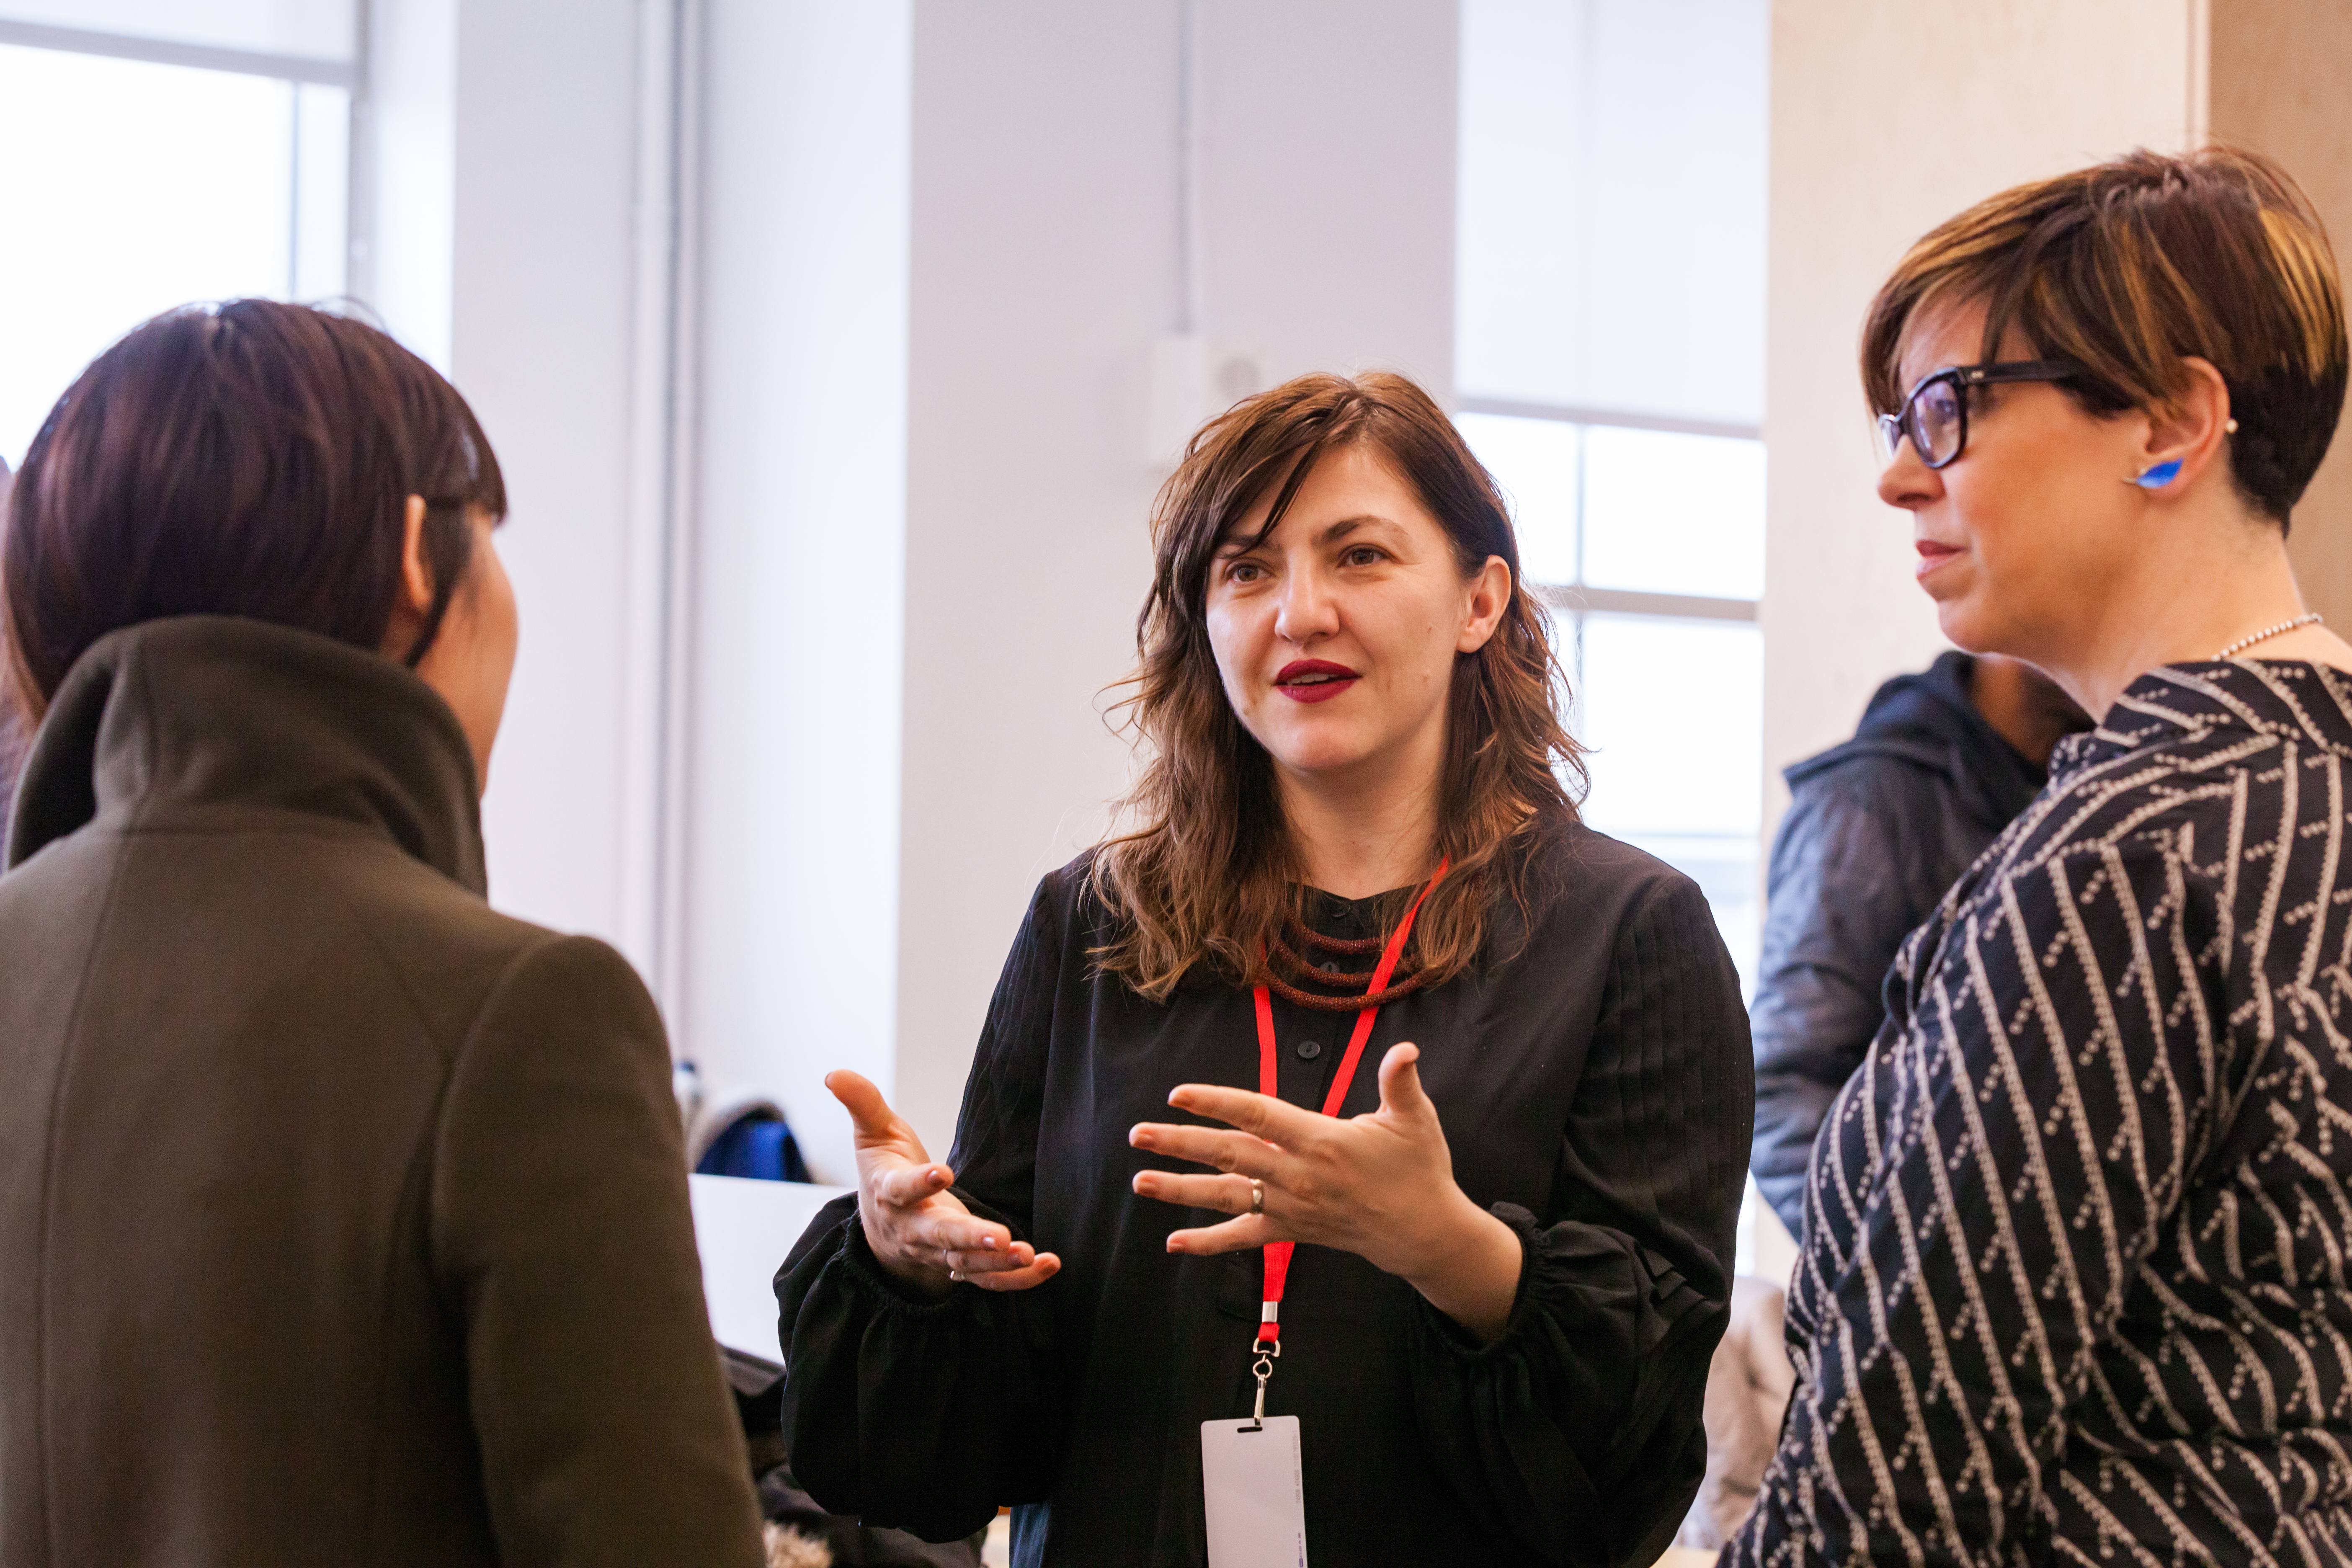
2266, 634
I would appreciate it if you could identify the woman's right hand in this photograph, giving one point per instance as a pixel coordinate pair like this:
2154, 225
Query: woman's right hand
920, 1231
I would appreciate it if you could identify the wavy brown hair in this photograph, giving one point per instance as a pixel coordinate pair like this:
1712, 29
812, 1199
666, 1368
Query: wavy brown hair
1204, 871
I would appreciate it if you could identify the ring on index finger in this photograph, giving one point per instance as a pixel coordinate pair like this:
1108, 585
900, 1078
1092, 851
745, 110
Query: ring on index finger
1257, 1197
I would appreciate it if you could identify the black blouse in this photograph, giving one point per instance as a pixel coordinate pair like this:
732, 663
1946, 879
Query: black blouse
1594, 1082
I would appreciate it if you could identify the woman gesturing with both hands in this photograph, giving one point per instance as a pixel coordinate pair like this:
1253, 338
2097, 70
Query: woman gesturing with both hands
1357, 1117
1360, 1186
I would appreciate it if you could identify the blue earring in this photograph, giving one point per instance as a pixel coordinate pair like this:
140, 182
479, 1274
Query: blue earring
2157, 478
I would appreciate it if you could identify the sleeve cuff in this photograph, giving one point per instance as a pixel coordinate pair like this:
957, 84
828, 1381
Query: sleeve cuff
856, 1255
1460, 1341
865, 1270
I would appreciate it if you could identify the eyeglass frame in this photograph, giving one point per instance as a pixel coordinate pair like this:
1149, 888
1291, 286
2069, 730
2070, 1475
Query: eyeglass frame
1894, 428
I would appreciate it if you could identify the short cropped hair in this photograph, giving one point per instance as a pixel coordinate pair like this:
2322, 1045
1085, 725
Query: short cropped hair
2125, 269
252, 458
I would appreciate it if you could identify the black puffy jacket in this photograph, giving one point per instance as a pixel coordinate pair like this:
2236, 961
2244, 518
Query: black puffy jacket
1879, 829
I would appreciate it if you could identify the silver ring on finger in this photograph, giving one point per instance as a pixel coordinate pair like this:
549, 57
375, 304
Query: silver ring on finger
955, 1275
1257, 1197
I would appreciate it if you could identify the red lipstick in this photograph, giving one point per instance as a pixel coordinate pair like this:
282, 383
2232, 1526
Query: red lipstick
1314, 680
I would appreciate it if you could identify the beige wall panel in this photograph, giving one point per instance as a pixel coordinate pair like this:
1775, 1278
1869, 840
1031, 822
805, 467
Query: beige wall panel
1886, 120
2278, 72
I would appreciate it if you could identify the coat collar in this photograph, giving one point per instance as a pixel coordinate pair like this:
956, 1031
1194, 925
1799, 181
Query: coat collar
211, 716
2292, 700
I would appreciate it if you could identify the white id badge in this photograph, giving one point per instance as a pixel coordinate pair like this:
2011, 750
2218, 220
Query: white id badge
1256, 1500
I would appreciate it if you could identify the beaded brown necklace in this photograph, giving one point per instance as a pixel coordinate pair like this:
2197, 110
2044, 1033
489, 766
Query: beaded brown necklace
1284, 955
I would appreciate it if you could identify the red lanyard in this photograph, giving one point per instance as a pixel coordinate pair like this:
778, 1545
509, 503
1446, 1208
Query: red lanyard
1278, 1253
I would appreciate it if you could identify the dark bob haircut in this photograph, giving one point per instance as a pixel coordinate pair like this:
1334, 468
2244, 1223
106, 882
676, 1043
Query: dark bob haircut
2125, 270
252, 458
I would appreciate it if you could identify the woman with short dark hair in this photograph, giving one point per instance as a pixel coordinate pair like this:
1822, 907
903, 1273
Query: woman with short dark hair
2072, 1280
342, 1219
1471, 1322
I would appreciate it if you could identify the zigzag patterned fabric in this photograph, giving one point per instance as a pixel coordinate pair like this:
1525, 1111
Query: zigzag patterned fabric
2073, 1286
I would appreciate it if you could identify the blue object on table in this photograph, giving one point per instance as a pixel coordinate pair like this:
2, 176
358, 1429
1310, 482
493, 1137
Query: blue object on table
757, 1145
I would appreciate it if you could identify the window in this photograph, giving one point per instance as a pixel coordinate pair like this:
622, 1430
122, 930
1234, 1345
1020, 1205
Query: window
1617, 525
165, 151
1610, 331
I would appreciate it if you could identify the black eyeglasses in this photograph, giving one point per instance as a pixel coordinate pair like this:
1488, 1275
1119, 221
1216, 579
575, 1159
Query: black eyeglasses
1936, 414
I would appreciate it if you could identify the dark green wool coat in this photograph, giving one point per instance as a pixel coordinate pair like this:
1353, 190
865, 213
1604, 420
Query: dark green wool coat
342, 1219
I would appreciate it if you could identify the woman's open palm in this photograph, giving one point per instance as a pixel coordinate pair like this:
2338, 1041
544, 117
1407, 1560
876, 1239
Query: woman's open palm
1379, 1185
919, 1231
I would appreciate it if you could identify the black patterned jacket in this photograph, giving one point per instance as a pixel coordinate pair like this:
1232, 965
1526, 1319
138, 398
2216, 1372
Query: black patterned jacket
2073, 1285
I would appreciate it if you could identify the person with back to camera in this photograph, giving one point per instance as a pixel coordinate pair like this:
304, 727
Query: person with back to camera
342, 1219
1878, 828
1512, 1239
2072, 1286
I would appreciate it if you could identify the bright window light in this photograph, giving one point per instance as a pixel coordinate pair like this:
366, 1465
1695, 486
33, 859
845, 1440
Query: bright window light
152, 185
1704, 680
1535, 462
321, 188
1673, 711
1670, 513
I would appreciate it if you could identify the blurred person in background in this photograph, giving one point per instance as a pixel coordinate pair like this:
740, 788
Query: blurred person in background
1879, 829
2070, 1286
341, 1218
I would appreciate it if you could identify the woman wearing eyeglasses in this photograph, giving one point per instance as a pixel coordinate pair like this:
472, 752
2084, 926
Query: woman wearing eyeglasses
2072, 1286
1351, 1156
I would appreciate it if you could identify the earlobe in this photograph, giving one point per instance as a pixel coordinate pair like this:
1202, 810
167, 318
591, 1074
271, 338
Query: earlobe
2194, 427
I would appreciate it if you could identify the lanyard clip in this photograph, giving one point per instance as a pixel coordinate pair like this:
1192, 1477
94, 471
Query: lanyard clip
1266, 1351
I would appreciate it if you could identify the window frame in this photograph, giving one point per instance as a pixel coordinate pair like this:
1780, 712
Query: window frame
297, 71
1574, 603
301, 68
1578, 599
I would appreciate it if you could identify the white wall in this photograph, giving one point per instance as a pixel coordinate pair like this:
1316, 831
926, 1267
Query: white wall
404, 172
1326, 184
495, 186
1044, 261
790, 943
540, 318
1885, 120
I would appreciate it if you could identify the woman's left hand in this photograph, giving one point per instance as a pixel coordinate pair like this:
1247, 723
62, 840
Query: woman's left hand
1379, 1185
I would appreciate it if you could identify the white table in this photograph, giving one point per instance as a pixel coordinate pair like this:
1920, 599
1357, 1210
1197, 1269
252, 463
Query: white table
744, 1229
